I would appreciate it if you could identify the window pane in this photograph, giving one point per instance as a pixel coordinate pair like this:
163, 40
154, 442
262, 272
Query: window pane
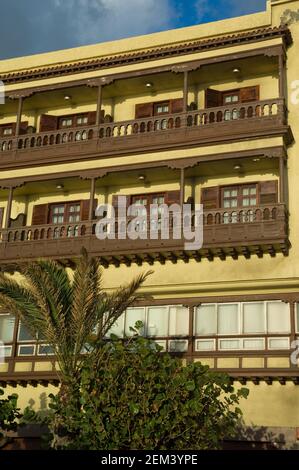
178, 345
27, 350
24, 333
278, 317
178, 321
118, 328
206, 320
254, 318
254, 343
235, 98
228, 319
157, 323
278, 343
229, 344
228, 99
7, 323
45, 349
205, 345
132, 316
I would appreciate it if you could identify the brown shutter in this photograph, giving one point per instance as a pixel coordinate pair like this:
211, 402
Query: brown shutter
172, 197
268, 192
213, 98
85, 208
92, 116
48, 123
144, 110
210, 197
250, 93
1, 216
40, 214
23, 127
176, 106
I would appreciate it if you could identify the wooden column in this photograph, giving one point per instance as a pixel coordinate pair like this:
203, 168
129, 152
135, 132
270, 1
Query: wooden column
9, 206
92, 194
185, 99
182, 187
19, 115
99, 105
282, 180
282, 75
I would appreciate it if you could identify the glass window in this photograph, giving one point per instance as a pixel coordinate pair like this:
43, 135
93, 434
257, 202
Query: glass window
7, 324
254, 318
45, 350
254, 343
118, 328
26, 350
82, 120
206, 320
205, 345
24, 334
230, 344
278, 317
177, 345
278, 343
228, 319
157, 323
7, 131
133, 315
178, 321
163, 108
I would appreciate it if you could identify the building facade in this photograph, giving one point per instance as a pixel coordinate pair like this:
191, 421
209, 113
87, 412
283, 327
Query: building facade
206, 114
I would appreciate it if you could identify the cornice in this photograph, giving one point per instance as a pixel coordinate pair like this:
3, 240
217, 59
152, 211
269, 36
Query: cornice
150, 54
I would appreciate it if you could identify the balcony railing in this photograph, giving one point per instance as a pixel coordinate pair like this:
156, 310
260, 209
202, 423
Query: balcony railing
255, 230
212, 124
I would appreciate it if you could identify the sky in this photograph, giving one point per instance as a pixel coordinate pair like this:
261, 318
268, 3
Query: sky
35, 26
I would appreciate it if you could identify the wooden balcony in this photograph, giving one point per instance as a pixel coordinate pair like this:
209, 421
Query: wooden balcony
213, 125
256, 230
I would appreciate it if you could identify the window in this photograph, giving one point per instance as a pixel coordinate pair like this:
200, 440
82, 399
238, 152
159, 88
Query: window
66, 122
161, 108
7, 326
158, 321
145, 201
7, 131
65, 213
82, 120
242, 319
231, 98
237, 197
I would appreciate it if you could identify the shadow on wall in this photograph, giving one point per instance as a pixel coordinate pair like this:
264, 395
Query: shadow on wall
263, 438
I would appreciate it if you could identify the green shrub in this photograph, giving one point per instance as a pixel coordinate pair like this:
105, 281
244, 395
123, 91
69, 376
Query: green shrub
135, 397
9, 414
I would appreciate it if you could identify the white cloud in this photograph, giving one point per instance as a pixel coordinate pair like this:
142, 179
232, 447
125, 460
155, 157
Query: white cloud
98, 20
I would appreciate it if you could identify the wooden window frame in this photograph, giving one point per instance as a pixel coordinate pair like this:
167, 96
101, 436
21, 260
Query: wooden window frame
240, 197
66, 212
229, 93
161, 103
74, 118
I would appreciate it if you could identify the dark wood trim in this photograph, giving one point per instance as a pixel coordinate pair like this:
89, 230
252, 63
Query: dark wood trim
8, 207
19, 115
91, 199
247, 37
99, 105
182, 187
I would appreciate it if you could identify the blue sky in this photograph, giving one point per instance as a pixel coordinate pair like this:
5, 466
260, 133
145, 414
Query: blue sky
34, 26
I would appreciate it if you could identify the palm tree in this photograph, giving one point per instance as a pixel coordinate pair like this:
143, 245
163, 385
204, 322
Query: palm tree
66, 310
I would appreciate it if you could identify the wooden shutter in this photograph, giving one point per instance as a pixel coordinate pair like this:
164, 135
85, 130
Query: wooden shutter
176, 106
144, 110
172, 197
23, 127
85, 209
268, 192
92, 116
210, 197
213, 98
1, 216
250, 93
48, 123
40, 214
